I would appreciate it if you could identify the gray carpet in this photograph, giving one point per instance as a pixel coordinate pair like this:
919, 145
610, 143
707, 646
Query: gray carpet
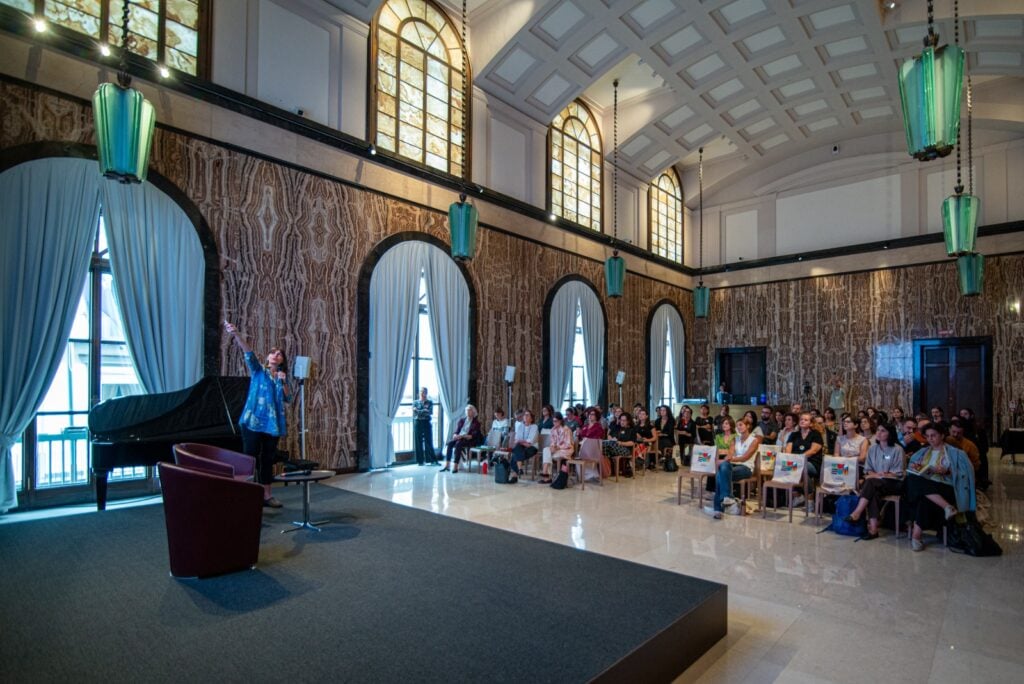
385, 593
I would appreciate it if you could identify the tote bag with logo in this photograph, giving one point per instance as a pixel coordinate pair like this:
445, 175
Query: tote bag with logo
768, 452
789, 468
703, 460
839, 474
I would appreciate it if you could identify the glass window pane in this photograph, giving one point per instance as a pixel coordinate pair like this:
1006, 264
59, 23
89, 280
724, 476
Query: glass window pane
62, 451
18, 462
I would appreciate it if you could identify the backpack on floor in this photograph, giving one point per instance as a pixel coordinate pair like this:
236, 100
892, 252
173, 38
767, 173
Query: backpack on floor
562, 479
967, 536
501, 471
845, 505
670, 463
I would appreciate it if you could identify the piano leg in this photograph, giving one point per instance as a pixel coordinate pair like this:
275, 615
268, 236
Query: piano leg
101, 488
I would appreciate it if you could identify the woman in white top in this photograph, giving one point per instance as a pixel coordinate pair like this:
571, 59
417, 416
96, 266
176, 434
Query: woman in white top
560, 448
737, 465
850, 444
524, 443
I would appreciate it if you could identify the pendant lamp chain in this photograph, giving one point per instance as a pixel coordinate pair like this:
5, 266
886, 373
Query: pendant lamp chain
126, 42
970, 138
465, 91
932, 39
700, 195
615, 158
959, 188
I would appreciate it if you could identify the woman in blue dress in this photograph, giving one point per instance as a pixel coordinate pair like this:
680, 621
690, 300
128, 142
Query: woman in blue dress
263, 419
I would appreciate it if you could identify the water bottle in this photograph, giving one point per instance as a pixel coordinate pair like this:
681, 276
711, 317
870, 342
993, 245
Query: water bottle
483, 467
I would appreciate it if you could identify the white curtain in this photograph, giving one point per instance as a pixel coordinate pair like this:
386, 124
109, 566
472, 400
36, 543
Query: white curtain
562, 336
448, 309
48, 209
394, 307
656, 354
593, 338
158, 268
678, 333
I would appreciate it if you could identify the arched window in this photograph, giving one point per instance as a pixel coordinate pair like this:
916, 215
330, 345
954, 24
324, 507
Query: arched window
666, 356
165, 32
665, 216
575, 152
418, 85
575, 333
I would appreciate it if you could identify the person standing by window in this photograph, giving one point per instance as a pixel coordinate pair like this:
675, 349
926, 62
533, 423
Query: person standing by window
422, 430
263, 420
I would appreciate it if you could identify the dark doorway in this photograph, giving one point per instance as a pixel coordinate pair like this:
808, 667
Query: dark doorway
743, 371
954, 373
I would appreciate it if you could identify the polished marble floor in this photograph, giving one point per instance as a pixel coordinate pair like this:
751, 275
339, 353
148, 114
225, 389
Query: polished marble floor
802, 606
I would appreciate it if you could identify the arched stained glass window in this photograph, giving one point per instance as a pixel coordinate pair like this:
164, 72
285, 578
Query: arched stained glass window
575, 152
418, 79
665, 216
165, 31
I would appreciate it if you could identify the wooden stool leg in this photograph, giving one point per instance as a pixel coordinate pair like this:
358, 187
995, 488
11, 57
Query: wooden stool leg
679, 491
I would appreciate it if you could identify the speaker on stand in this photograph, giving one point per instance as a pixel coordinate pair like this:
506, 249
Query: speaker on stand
510, 377
300, 371
620, 378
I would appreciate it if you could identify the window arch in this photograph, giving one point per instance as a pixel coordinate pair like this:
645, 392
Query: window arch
666, 358
575, 338
665, 216
418, 71
574, 151
170, 33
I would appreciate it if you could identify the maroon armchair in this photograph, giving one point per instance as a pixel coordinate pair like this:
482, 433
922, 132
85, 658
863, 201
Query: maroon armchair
213, 521
224, 461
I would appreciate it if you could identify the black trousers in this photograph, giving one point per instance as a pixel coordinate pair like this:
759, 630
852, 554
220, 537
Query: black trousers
685, 450
423, 441
263, 448
874, 489
520, 454
457, 446
921, 509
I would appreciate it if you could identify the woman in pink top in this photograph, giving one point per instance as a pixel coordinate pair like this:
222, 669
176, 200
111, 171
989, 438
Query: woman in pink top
561, 446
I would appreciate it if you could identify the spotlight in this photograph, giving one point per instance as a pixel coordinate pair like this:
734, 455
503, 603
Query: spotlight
164, 71
799, 258
889, 4
372, 150
105, 50
480, 189
552, 218
39, 25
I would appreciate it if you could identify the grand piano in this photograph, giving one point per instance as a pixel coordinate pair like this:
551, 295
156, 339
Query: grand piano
139, 430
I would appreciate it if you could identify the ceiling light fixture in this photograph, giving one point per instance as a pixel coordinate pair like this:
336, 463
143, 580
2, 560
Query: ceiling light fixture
39, 25
615, 266
930, 86
105, 50
124, 120
463, 216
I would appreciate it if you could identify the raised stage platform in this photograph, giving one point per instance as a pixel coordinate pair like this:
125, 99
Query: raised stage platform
385, 593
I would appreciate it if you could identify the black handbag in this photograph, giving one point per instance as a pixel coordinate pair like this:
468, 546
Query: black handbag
501, 471
967, 536
562, 479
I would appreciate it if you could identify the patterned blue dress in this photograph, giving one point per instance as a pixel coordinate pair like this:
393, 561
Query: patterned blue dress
264, 406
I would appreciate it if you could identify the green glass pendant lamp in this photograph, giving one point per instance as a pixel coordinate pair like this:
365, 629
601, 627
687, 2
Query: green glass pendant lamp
970, 270
959, 210
930, 86
615, 266
124, 121
463, 216
701, 295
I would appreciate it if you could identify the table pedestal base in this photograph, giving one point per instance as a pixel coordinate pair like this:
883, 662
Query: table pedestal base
305, 524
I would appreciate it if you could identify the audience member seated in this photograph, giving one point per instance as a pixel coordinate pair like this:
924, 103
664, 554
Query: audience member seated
723, 439
561, 446
807, 441
851, 443
908, 437
789, 422
572, 419
938, 415
883, 476
738, 464
524, 443
828, 439
959, 440
768, 426
975, 432
867, 427
897, 417
831, 424
594, 429
940, 474
666, 429
705, 428
723, 413
547, 411
499, 426
623, 442
647, 437
467, 435
687, 435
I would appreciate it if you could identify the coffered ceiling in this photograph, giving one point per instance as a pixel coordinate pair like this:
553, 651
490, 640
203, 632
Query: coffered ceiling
753, 81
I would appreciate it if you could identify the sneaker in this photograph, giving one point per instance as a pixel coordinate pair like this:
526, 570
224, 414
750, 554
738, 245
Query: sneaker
513, 479
916, 545
272, 503
717, 515
799, 501
710, 510
950, 512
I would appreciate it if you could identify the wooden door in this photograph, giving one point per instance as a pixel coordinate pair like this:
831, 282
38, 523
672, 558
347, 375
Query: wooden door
954, 373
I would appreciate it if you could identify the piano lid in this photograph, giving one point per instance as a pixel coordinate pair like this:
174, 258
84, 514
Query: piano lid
215, 401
